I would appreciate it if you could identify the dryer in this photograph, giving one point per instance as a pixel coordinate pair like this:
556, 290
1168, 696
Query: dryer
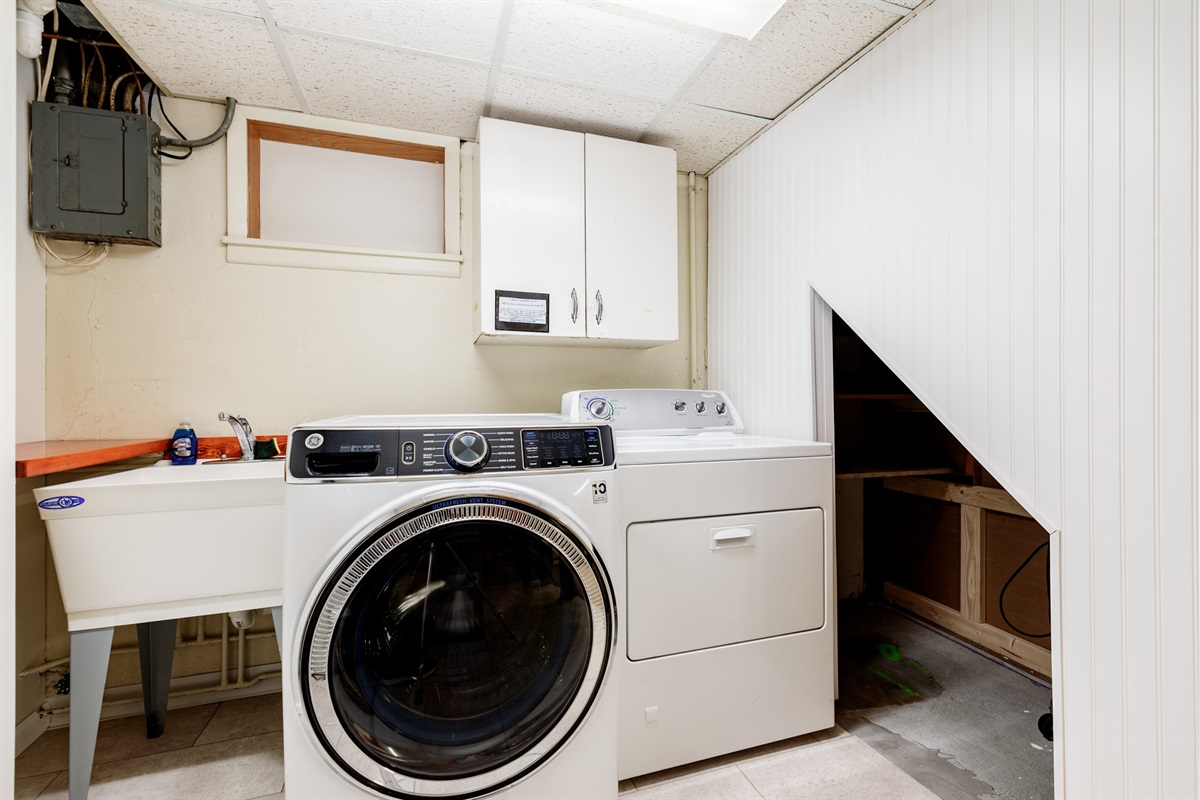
728, 593
448, 615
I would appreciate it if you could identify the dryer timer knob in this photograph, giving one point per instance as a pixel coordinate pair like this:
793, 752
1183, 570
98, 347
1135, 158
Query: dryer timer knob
599, 408
467, 451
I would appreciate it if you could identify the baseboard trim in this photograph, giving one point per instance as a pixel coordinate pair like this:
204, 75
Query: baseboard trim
28, 731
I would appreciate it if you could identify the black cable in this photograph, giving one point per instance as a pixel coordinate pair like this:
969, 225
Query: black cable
163, 110
154, 92
1013, 577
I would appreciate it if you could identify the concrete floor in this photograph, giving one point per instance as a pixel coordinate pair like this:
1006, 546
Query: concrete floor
959, 723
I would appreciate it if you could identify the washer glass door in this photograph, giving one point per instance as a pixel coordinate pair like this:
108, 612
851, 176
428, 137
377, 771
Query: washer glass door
455, 649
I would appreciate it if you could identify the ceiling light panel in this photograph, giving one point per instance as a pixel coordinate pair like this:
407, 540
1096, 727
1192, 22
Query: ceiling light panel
387, 87
199, 54
587, 44
461, 29
700, 138
806, 41
574, 108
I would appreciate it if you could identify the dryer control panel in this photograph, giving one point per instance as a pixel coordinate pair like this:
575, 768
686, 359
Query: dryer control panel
335, 454
657, 411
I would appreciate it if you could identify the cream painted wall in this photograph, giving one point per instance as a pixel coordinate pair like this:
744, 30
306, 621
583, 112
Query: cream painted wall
30, 386
31, 283
1001, 200
151, 335
9, 226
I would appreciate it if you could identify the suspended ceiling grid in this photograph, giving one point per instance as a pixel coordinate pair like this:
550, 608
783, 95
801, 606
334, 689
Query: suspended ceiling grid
438, 65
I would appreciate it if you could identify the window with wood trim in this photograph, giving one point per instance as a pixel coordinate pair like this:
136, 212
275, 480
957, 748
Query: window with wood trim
343, 195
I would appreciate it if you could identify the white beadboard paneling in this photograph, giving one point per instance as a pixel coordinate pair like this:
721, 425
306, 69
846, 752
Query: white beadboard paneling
1175, 171
1021, 248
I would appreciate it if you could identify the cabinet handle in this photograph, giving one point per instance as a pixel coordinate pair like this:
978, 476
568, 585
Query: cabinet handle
599, 307
574, 307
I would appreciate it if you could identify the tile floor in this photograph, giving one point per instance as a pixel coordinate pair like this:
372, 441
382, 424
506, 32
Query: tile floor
234, 751
225, 751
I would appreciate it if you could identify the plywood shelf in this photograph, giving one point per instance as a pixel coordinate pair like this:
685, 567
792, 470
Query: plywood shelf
858, 472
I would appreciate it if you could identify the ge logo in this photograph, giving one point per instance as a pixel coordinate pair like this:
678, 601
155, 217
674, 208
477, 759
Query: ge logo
599, 492
314, 441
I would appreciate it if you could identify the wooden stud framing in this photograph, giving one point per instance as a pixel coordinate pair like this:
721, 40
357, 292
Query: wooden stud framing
1006, 644
978, 496
971, 574
974, 503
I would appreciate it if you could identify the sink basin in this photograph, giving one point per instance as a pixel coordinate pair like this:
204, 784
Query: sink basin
167, 541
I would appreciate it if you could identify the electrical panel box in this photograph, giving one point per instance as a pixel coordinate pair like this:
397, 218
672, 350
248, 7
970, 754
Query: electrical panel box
96, 175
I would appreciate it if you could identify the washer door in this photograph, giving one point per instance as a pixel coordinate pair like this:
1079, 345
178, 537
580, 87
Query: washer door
457, 648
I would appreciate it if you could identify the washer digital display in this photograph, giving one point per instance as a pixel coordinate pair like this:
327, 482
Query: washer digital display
549, 448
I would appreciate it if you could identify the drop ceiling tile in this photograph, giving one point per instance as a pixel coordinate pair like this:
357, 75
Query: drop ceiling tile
803, 43
520, 98
196, 54
906, 3
583, 42
700, 138
375, 84
463, 28
247, 8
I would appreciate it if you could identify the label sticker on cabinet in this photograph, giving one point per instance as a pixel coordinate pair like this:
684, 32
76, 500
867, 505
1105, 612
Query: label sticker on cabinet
599, 492
522, 311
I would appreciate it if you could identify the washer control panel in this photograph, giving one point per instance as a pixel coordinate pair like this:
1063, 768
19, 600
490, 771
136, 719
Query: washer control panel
661, 411
391, 453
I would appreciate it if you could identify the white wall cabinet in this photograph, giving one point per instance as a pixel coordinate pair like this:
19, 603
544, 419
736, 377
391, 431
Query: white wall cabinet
577, 239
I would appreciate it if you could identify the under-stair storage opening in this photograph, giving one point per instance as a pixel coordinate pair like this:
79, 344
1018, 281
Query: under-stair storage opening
927, 538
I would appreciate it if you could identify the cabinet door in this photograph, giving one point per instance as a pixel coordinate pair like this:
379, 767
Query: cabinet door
531, 221
632, 241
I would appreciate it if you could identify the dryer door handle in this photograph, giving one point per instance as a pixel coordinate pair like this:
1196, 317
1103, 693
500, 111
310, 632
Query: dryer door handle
726, 538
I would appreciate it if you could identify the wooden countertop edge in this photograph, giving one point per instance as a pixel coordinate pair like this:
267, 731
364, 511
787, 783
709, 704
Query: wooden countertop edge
45, 458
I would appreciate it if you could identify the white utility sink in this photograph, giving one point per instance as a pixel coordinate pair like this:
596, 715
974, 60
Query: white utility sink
167, 541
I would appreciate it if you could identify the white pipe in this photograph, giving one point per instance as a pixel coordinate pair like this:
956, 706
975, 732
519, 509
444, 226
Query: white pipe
47, 666
241, 658
693, 289
224, 652
176, 693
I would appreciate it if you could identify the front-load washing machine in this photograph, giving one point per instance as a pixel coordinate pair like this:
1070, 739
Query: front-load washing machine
728, 594
448, 615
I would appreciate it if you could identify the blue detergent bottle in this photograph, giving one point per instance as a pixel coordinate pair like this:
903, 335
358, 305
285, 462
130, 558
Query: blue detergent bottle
183, 443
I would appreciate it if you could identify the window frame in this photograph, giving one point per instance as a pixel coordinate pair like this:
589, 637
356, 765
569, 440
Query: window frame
244, 246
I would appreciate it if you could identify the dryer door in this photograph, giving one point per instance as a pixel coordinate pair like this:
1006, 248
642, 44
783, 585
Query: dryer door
456, 649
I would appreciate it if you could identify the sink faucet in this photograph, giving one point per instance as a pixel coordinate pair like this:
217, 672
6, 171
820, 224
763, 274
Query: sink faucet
241, 429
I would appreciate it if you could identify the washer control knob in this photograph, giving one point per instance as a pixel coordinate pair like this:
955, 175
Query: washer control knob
680, 405
700, 407
599, 408
467, 451
721, 409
